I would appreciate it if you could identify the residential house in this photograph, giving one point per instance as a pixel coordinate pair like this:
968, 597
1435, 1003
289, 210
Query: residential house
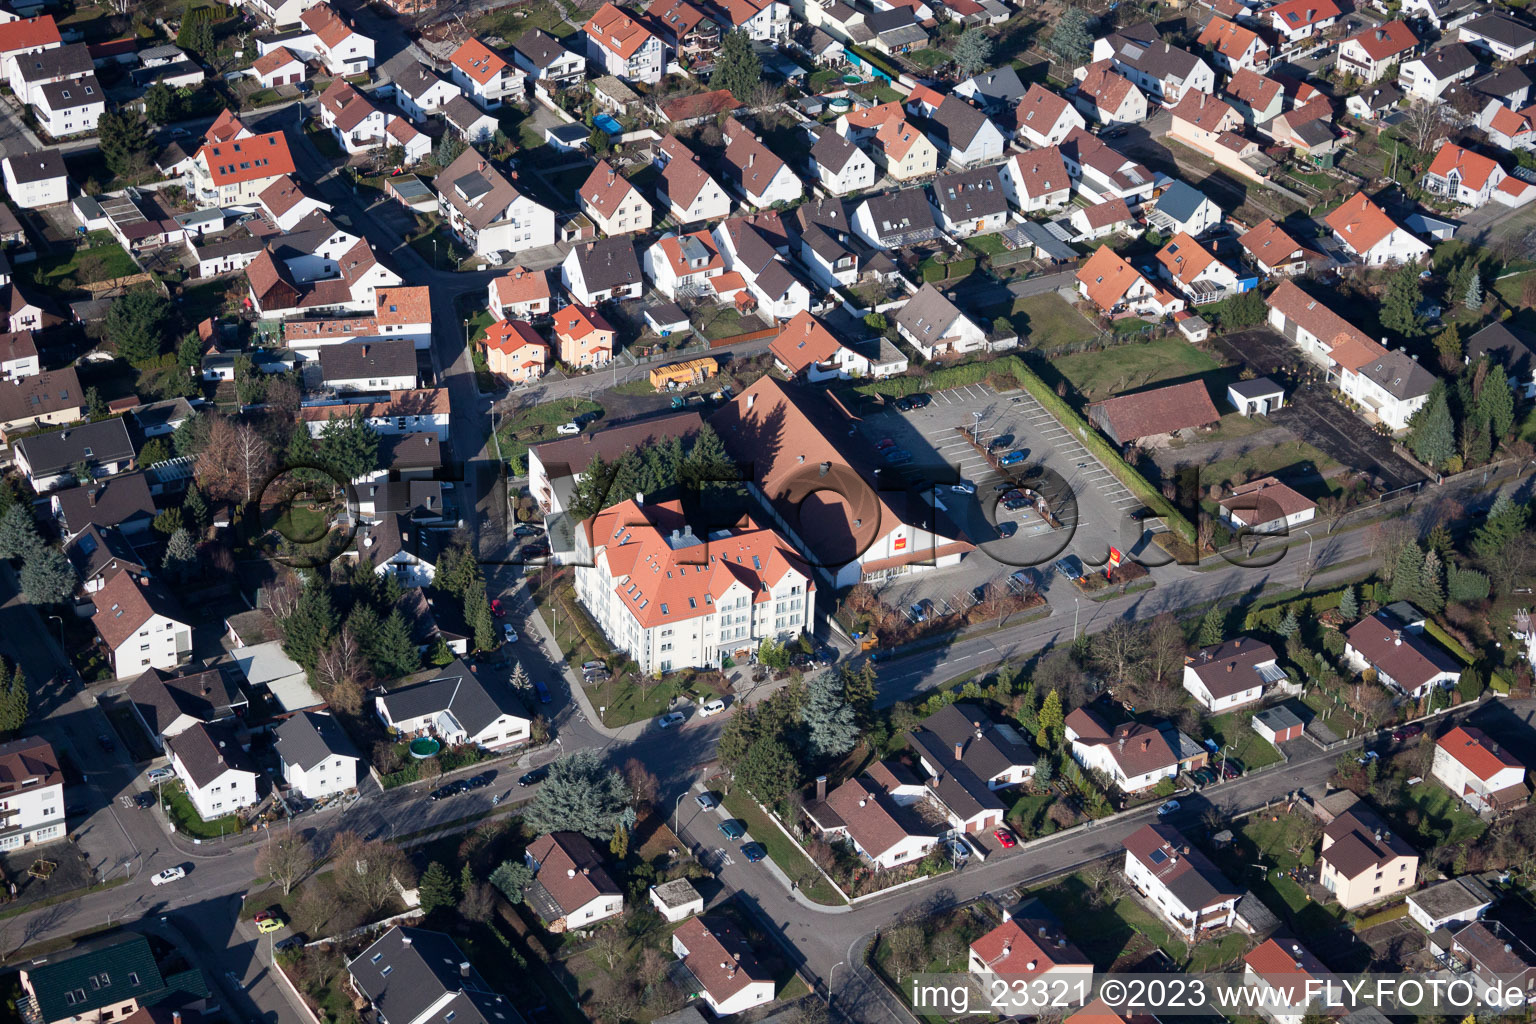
718, 964
1233, 46
682, 265
484, 75
1113, 286
1371, 53
685, 188
520, 293
873, 534
605, 269
1160, 69
860, 124
106, 978
1293, 982
1499, 35
840, 166
470, 123
621, 43
1375, 103
415, 976
1273, 251
1463, 176
457, 707
1300, 23
31, 793
936, 327
550, 65
583, 336
27, 73
70, 107
41, 400
1150, 416
765, 21
369, 366
1228, 675
968, 759
571, 888
288, 203
1266, 505
762, 177
278, 67
974, 202
895, 219
18, 355
1179, 881
141, 624
1400, 655
1449, 904
805, 347
1509, 348
555, 467
964, 135
1030, 947
1101, 173
1199, 121
1323, 336
1497, 960
1365, 230
36, 179
404, 412
903, 151
1443, 15
692, 34
993, 91
1108, 96
318, 758
236, 172
1102, 220
121, 501
219, 776
1506, 128
1257, 98
1511, 86
1044, 118
613, 204
48, 460
1184, 208
418, 90
826, 243
1429, 76
168, 705
1197, 274
357, 124
1362, 861
1484, 774
1134, 756
869, 819
516, 351
23, 37
1392, 386
488, 211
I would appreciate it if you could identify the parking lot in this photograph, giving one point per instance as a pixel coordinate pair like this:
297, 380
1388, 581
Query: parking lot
1091, 507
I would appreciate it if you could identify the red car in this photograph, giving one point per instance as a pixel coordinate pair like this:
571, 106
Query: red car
1005, 837
496, 607
884, 443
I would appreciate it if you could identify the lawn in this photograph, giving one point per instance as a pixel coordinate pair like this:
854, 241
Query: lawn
1233, 426
301, 523
1253, 750
790, 858
1125, 932
324, 141
928, 58
987, 245
635, 698
100, 259
439, 248
186, 819
1050, 320
1098, 375
1442, 818
511, 22
1267, 460
725, 323
536, 424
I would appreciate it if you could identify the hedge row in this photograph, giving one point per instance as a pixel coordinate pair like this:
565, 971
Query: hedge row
1013, 366
1269, 615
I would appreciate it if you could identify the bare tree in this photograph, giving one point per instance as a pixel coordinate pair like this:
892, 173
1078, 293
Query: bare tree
1165, 647
908, 949
1119, 648
1302, 832
608, 943
234, 461
367, 871
1424, 123
642, 782
478, 902
343, 670
283, 594
286, 860
1514, 561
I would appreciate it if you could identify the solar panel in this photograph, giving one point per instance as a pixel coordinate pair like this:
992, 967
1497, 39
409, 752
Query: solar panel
1157, 856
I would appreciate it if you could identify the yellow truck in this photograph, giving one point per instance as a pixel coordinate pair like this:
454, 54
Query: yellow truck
684, 375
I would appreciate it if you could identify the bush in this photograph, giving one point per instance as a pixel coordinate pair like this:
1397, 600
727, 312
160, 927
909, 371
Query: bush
1165, 788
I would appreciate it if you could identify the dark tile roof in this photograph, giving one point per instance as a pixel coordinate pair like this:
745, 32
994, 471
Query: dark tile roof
57, 450
987, 749
206, 696
473, 701
40, 394
110, 502
98, 974
408, 970
1183, 869
309, 737
368, 359
974, 193
608, 263
1510, 348
43, 165
208, 751
100, 551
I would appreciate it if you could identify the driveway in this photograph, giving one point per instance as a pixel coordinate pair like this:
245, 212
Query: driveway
1314, 416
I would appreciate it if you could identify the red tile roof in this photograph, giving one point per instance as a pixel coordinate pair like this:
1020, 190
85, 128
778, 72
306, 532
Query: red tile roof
606, 189
1159, 411
803, 342
29, 34
1105, 86
1012, 951
249, 159
478, 61
1227, 38
1475, 752
1107, 277
403, 306
521, 285
1287, 969
1040, 109
618, 30
274, 59
324, 22
1474, 168
1382, 42
577, 321
1184, 258
1204, 111
1361, 223
1252, 88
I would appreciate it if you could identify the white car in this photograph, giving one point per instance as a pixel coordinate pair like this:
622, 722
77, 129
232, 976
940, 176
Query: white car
508, 633
713, 707
161, 774
963, 487
668, 721
568, 428
169, 875
1169, 807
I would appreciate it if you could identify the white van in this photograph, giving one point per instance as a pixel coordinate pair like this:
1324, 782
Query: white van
713, 707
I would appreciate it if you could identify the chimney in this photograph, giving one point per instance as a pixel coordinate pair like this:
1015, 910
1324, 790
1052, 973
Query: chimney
1237, 644
586, 871
464, 969
826, 467
1042, 931
405, 940
92, 495
959, 749
821, 787
1229, 666
175, 1017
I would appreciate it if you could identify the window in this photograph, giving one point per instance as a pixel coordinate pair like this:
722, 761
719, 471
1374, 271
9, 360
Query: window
133, 977
386, 970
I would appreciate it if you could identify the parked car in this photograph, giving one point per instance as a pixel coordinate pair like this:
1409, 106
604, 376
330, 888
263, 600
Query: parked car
1203, 776
963, 487
707, 801
1071, 567
496, 608
754, 852
480, 781
919, 614
1011, 459
1367, 757
1231, 768
1005, 838
1029, 578
884, 443
711, 707
1168, 807
145, 800
269, 921
903, 404
1015, 494
508, 633
667, 721
1006, 485
958, 851
541, 691
920, 401
534, 777
979, 594
732, 828
568, 428
525, 530
898, 458
1407, 732
443, 793
1007, 529
161, 774
169, 875
1015, 504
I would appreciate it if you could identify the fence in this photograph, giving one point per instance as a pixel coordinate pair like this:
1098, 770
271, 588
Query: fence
742, 339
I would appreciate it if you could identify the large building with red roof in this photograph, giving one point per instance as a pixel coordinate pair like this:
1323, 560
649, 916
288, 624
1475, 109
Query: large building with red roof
674, 598
239, 170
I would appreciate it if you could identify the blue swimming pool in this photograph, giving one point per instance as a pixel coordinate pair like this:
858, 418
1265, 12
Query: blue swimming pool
608, 124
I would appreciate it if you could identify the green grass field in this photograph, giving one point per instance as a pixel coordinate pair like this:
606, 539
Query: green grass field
186, 819
1049, 320
102, 259
1125, 932
532, 426
1442, 817
928, 58
1269, 459
1247, 746
1098, 375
